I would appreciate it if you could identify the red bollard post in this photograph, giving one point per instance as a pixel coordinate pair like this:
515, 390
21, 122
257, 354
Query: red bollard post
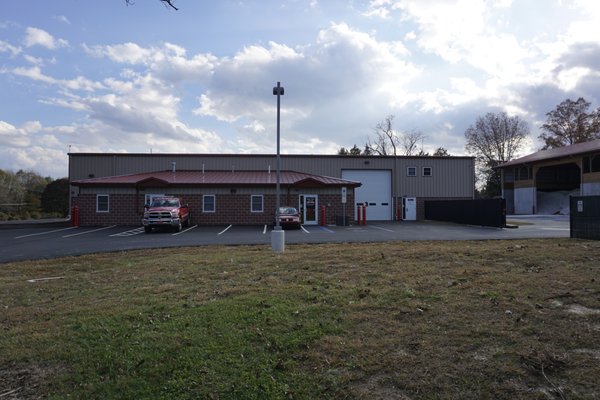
364, 218
358, 215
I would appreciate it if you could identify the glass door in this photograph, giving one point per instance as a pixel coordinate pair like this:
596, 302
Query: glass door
310, 204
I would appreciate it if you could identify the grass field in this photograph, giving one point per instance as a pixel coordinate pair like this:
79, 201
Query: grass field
404, 320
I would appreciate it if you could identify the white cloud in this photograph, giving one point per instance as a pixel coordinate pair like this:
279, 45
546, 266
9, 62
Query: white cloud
62, 19
44, 160
127, 53
343, 66
8, 48
32, 126
39, 37
78, 83
169, 61
13, 137
33, 60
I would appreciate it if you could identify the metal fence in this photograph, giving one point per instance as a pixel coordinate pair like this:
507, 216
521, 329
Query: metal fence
483, 212
585, 217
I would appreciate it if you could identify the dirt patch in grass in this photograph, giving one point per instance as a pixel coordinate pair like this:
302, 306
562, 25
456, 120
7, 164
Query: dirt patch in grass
26, 381
469, 320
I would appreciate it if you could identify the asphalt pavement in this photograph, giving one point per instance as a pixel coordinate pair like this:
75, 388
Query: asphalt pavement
38, 241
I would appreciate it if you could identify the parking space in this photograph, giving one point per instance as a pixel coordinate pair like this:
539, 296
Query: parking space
34, 242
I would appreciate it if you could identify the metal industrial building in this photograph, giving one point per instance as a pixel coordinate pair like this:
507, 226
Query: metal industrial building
541, 182
384, 183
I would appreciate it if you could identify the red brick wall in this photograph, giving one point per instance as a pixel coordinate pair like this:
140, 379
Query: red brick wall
334, 207
122, 210
127, 209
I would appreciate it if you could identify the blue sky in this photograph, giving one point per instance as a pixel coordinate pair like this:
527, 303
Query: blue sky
100, 76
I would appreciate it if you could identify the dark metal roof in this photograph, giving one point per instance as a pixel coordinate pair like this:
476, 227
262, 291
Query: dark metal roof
559, 152
217, 178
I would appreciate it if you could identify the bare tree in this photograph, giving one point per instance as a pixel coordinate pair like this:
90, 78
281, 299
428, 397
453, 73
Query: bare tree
494, 139
167, 3
386, 141
410, 143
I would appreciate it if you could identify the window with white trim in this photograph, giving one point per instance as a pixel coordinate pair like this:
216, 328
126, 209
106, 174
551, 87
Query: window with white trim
209, 203
411, 171
427, 171
102, 203
256, 203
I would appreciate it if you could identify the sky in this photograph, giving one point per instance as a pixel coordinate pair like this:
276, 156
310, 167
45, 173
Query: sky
102, 76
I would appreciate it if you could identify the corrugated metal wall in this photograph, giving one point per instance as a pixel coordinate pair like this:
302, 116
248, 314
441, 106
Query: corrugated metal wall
450, 176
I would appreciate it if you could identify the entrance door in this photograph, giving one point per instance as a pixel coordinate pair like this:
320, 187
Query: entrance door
309, 204
410, 208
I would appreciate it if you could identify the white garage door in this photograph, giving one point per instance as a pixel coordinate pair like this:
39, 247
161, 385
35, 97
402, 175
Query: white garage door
376, 190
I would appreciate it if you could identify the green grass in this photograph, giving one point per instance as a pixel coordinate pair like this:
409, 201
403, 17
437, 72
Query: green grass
427, 320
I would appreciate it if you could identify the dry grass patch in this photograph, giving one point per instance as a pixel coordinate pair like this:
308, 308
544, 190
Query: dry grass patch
414, 320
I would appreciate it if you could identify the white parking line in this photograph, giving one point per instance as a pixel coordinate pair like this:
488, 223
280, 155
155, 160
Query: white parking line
304, 229
185, 230
224, 230
383, 229
131, 232
556, 229
325, 229
86, 232
45, 233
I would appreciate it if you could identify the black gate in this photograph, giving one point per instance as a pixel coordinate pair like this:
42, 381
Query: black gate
483, 212
585, 217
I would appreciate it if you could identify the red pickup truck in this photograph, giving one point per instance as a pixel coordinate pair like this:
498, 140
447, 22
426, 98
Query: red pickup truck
166, 211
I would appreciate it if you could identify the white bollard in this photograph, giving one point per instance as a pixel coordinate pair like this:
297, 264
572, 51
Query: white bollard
278, 240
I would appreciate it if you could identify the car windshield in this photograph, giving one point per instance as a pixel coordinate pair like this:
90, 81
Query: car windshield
287, 210
164, 203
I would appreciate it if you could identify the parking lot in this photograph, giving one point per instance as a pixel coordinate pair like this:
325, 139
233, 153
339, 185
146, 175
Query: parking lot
26, 242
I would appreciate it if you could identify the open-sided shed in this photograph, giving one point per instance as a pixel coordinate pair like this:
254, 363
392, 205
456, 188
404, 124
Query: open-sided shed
541, 182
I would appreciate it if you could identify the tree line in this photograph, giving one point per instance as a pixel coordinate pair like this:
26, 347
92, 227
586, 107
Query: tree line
27, 195
493, 139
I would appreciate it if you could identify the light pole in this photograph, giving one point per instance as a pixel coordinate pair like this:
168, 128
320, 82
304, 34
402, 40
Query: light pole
278, 235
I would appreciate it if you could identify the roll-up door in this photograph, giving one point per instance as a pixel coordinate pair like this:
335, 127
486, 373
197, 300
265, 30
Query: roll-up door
376, 191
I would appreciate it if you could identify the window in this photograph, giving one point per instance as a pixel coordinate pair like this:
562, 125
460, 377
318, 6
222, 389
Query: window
525, 173
208, 203
256, 203
102, 203
427, 171
411, 171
